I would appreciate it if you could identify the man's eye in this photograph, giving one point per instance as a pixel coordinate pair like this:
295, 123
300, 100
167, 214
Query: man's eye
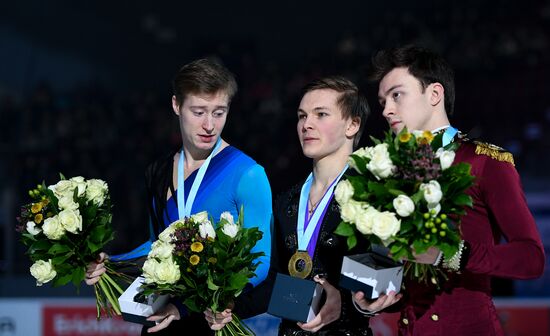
218, 113
396, 95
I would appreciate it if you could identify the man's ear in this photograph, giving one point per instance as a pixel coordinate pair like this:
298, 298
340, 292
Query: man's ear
353, 127
175, 105
437, 93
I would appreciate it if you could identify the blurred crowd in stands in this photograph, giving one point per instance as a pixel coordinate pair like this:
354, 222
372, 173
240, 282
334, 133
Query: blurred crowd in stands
503, 89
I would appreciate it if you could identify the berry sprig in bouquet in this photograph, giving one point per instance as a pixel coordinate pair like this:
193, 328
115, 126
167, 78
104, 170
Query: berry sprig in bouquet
65, 226
408, 196
203, 266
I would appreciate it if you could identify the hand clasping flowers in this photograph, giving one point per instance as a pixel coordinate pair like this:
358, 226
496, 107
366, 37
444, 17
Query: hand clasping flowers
408, 196
204, 267
65, 227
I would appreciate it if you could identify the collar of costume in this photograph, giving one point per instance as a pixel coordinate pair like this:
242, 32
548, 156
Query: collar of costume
184, 206
306, 226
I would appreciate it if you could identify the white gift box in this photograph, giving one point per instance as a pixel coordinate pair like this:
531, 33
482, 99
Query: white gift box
371, 273
137, 312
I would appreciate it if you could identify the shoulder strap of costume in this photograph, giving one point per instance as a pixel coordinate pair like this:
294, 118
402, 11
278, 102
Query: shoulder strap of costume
493, 151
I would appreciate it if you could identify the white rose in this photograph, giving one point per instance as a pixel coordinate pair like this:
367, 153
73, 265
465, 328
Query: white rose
369, 152
166, 235
361, 152
227, 216
71, 220
200, 217
43, 271
61, 188
53, 228
435, 208
365, 219
343, 191
206, 229
230, 229
67, 202
351, 209
446, 157
380, 164
161, 249
96, 191
79, 183
403, 205
164, 272
432, 192
385, 225
33, 229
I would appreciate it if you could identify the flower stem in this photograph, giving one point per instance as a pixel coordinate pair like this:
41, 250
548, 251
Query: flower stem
109, 295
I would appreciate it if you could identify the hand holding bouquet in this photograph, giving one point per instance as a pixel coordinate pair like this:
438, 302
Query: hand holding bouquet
408, 196
205, 267
65, 227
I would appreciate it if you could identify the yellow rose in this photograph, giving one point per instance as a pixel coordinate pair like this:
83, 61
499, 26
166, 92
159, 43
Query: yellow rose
38, 218
194, 259
197, 247
428, 135
36, 207
405, 137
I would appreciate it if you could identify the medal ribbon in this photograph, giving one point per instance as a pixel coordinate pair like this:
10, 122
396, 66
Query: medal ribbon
306, 227
448, 136
184, 207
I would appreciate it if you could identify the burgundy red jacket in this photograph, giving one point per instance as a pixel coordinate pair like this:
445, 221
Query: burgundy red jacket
463, 306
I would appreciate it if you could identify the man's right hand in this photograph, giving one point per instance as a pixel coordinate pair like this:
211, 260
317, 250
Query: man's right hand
383, 301
217, 321
96, 269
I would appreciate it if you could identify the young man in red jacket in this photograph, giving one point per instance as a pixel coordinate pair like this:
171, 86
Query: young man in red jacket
416, 90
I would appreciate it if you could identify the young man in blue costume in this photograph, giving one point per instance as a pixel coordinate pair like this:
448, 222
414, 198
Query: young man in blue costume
206, 174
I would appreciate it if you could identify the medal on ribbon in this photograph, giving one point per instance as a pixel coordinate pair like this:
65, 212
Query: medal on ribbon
300, 264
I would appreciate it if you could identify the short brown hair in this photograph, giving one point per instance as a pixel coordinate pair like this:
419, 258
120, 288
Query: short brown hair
203, 76
425, 65
352, 102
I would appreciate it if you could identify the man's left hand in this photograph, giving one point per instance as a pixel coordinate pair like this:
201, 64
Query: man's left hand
330, 311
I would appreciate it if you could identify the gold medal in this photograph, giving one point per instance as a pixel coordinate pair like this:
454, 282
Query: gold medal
300, 265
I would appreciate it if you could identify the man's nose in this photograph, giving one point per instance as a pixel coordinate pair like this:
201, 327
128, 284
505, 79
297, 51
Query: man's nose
208, 123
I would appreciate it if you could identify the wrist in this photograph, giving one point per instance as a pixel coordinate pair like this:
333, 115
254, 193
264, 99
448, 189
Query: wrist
365, 312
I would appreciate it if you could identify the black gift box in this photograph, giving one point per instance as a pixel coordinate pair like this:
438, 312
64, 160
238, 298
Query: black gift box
371, 273
295, 299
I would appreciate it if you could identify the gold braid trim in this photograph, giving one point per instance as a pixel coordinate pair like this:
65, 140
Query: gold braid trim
494, 152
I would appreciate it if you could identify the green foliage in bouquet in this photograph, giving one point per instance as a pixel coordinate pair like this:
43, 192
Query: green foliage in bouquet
65, 227
205, 267
408, 196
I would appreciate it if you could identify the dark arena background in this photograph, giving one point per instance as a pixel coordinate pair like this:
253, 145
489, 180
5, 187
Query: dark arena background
85, 89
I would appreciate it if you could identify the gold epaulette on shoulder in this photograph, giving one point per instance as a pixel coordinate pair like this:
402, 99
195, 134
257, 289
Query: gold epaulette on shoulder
495, 152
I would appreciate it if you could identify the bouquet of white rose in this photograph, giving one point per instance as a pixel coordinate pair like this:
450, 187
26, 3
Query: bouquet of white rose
408, 196
65, 227
203, 266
